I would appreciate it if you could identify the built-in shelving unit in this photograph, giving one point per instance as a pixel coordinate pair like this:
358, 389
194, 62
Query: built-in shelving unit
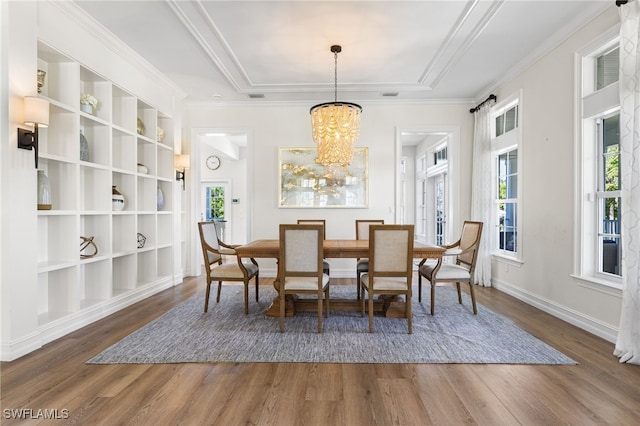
69, 286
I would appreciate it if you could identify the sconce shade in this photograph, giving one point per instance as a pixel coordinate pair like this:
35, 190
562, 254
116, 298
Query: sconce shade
182, 161
36, 111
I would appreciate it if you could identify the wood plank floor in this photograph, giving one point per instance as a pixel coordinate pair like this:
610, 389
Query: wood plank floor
599, 390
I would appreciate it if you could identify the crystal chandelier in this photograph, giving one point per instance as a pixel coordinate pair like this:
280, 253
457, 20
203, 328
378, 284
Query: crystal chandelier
335, 126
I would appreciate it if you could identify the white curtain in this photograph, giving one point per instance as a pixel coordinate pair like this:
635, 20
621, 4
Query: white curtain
481, 202
628, 342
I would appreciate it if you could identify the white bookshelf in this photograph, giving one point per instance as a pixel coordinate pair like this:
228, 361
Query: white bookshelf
70, 288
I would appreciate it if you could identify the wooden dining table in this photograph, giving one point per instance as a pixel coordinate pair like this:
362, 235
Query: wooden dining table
353, 249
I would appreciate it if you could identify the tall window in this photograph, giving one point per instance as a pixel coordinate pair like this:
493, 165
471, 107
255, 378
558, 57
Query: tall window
505, 143
598, 150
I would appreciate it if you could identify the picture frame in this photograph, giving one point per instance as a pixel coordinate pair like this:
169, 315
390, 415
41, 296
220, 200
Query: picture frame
303, 183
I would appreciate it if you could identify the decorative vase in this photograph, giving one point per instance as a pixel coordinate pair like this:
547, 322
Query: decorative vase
41, 76
86, 108
142, 169
160, 199
160, 134
140, 126
44, 191
84, 148
117, 199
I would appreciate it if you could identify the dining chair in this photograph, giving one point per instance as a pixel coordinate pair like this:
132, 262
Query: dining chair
362, 233
390, 266
465, 251
300, 269
325, 264
220, 269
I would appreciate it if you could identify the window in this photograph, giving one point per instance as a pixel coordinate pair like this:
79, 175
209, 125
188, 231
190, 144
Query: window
505, 148
608, 194
215, 202
598, 248
507, 179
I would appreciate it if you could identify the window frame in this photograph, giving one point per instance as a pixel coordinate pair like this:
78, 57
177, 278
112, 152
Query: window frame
504, 143
591, 106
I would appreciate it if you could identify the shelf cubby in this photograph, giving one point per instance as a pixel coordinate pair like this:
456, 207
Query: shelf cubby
58, 294
96, 282
126, 185
124, 274
98, 138
124, 112
95, 189
124, 237
123, 151
96, 226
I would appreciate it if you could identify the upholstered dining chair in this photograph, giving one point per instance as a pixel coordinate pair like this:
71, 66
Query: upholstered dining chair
390, 266
300, 268
362, 233
325, 264
465, 251
233, 269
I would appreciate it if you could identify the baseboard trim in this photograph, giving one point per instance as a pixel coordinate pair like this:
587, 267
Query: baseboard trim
564, 313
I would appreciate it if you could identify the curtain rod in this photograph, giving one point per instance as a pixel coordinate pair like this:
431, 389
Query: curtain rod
621, 2
491, 97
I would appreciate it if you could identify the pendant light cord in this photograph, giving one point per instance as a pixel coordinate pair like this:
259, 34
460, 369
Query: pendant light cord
335, 77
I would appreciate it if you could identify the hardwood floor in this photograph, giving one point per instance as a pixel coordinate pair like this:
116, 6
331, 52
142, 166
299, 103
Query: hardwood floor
599, 390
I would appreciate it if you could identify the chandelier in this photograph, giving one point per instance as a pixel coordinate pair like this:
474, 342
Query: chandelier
335, 126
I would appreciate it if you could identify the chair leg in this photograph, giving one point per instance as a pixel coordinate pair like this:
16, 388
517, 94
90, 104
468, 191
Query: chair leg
473, 298
358, 284
246, 297
363, 302
320, 312
206, 297
409, 313
257, 287
419, 287
326, 301
370, 311
433, 295
219, 289
459, 293
282, 302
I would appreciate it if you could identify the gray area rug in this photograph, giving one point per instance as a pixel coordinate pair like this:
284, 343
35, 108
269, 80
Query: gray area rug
225, 334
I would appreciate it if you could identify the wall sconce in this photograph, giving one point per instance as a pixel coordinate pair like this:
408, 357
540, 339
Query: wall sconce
182, 162
36, 114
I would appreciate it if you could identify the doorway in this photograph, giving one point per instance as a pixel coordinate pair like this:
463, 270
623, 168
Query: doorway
215, 199
429, 165
227, 182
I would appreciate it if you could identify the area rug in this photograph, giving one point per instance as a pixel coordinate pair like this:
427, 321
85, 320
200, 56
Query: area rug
224, 334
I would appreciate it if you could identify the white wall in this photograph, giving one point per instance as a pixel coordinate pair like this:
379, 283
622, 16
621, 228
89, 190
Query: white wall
544, 279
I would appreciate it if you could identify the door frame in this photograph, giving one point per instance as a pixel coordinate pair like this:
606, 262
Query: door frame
192, 237
453, 170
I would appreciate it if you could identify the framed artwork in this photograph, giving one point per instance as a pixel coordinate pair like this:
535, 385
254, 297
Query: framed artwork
305, 184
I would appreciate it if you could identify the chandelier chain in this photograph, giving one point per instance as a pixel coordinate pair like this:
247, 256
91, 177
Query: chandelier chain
335, 77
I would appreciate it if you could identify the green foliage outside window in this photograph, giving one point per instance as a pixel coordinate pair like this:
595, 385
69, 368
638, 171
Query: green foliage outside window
217, 202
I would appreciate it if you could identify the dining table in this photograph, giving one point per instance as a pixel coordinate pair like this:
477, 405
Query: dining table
335, 248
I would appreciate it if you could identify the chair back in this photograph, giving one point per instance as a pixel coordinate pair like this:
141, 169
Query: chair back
470, 240
209, 242
391, 250
362, 227
301, 251
315, 222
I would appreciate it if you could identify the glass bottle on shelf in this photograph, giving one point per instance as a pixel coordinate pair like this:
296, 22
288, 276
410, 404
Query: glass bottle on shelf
44, 191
